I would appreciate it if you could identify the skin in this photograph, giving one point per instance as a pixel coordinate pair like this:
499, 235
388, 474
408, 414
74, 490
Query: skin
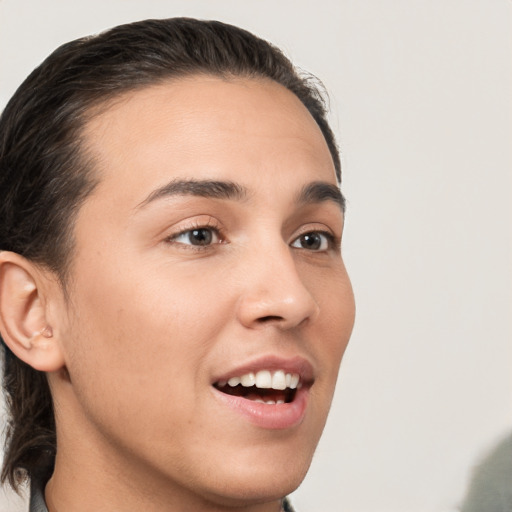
150, 319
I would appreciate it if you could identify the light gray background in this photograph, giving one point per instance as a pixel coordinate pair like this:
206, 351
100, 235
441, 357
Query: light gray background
421, 103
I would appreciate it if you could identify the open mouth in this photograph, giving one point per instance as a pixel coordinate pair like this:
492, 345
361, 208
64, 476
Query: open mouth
264, 386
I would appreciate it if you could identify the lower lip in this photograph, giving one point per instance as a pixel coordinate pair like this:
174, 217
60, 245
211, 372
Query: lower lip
269, 416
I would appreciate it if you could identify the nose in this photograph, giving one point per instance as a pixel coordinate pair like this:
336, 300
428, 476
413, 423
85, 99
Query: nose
274, 293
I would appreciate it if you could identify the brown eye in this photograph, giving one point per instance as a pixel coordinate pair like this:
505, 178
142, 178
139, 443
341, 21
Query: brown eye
314, 241
197, 237
200, 236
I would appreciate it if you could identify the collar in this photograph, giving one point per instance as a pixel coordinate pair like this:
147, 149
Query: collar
37, 503
285, 506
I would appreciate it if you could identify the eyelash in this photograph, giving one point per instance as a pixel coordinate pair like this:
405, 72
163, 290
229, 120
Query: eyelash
330, 240
211, 227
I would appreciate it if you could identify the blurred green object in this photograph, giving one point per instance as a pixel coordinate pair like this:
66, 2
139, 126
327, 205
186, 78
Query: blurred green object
490, 489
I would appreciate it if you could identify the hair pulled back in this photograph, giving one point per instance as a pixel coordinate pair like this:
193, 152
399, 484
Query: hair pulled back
45, 174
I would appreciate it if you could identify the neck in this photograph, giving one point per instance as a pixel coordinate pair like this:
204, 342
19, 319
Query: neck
90, 475
64, 493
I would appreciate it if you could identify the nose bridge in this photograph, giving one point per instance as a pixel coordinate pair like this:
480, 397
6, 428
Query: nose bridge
273, 291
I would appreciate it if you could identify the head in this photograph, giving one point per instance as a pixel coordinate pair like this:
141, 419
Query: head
145, 174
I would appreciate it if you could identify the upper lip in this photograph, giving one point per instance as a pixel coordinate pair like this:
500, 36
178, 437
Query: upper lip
297, 364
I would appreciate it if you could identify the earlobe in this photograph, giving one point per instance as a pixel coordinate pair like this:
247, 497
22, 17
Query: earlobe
23, 317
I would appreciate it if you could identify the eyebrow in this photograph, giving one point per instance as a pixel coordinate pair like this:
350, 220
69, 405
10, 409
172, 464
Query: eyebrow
201, 188
316, 192
321, 191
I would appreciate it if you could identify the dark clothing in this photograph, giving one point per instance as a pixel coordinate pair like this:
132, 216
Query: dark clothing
286, 506
37, 503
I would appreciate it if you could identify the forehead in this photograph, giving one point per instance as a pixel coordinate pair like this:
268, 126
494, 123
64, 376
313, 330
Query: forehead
205, 127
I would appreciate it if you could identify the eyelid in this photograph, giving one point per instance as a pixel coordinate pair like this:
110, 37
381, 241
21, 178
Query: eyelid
311, 227
201, 222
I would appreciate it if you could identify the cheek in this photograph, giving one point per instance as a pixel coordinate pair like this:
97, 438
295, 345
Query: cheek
335, 298
132, 340
332, 290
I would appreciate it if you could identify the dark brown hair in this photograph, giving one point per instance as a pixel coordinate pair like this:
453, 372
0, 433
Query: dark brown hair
45, 175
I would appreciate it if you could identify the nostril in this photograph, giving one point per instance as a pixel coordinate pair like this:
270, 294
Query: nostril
270, 318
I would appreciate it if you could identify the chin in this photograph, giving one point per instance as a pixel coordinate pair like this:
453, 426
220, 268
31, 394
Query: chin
260, 483
269, 467
242, 493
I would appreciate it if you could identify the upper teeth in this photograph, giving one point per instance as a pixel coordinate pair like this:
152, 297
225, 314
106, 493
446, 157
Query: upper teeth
265, 379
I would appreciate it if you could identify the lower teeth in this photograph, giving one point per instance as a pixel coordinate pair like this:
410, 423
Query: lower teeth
268, 402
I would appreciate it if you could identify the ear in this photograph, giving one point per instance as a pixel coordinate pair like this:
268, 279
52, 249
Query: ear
23, 314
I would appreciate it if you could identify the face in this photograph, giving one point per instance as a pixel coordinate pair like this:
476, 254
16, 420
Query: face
209, 306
